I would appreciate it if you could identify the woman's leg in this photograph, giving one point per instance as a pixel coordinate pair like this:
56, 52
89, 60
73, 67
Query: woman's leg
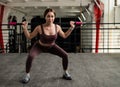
35, 50
63, 54
56, 50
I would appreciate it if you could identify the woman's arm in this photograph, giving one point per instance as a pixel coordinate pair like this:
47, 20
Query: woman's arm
27, 33
68, 32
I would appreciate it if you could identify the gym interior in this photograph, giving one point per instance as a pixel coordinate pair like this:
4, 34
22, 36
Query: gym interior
93, 46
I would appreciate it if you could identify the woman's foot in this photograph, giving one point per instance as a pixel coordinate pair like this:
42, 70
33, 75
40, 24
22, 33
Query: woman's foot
26, 79
66, 76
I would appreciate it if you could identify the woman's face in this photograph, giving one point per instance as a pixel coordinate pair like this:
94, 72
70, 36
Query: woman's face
50, 17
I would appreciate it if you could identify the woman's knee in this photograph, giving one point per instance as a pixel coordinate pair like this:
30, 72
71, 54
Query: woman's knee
32, 54
65, 56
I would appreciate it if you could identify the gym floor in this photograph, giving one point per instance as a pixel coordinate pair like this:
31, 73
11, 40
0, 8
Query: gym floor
86, 69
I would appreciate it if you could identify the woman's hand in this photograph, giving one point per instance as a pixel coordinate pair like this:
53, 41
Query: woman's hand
72, 24
24, 25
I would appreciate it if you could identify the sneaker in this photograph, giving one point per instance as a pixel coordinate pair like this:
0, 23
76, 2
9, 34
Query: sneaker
67, 77
26, 79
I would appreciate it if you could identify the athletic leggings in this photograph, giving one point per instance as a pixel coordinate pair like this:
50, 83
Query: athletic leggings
37, 49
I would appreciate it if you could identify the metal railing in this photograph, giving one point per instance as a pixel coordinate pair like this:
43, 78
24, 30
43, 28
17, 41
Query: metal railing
82, 39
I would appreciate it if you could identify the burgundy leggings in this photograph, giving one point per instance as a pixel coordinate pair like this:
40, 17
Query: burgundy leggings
37, 49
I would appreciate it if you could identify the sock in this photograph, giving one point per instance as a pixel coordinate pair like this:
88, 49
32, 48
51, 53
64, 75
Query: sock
66, 72
28, 74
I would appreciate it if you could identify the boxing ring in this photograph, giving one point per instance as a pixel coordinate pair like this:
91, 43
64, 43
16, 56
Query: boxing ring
87, 70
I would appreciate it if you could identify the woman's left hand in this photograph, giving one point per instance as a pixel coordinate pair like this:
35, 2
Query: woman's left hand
72, 24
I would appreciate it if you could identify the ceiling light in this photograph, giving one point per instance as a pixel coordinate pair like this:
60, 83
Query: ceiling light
26, 0
61, 7
72, 7
35, 7
9, 0
23, 7
48, 6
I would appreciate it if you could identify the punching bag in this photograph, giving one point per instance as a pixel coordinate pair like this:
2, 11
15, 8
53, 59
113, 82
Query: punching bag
98, 11
1, 34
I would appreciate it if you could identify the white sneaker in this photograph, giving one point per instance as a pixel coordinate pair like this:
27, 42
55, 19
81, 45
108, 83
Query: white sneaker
67, 76
26, 79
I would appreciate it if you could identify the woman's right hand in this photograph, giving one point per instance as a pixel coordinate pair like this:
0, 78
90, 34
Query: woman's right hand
24, 25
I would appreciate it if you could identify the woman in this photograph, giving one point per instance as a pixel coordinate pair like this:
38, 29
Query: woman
48, 34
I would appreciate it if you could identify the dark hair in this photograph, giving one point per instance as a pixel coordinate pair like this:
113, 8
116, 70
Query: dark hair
49, 10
